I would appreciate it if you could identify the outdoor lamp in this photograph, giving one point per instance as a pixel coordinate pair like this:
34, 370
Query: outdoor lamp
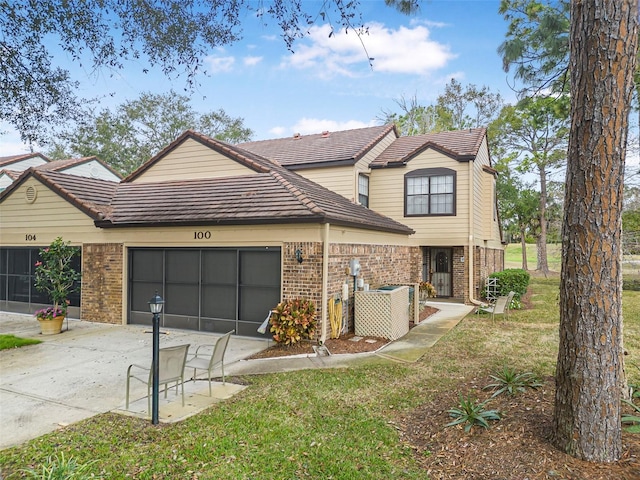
299, 256
155, 305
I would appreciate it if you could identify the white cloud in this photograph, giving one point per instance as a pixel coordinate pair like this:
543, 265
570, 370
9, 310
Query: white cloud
306, 126
250, 61
10, 142
220, 64
404, 51
278, 131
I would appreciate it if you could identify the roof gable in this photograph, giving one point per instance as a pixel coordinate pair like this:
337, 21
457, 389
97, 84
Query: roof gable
230, 152
461, 145
91, 196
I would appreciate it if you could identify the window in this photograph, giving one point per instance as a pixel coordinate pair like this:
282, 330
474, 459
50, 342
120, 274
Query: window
363, 190
430, 191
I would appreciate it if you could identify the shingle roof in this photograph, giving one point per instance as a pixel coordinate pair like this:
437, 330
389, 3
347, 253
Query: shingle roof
462, 145
271, 195
328, 148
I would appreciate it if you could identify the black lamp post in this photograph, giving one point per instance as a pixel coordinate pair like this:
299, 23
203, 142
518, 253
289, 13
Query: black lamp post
155, 305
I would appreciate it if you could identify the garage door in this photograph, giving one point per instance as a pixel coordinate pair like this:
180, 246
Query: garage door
211, 290
17, 279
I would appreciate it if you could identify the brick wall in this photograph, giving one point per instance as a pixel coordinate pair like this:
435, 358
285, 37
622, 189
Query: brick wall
102, 276
460, 273
380, 265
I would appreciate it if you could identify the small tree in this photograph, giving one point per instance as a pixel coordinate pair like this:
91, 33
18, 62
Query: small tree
55, 274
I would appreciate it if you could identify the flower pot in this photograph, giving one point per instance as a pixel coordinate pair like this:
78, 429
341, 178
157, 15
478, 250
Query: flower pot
51, 327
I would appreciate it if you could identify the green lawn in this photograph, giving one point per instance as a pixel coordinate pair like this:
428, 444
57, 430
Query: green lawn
319, 423
513, 259
513, 256
10, 341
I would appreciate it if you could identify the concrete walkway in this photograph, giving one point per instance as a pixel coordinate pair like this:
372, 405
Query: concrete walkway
82, 371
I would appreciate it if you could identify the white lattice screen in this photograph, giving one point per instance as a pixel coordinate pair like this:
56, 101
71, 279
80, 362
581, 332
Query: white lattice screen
382, 313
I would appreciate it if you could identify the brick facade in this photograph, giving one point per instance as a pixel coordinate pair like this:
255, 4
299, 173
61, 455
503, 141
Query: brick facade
102, 267
380, 265
102, 277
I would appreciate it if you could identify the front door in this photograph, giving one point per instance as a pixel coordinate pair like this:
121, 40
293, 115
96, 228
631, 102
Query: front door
441, 271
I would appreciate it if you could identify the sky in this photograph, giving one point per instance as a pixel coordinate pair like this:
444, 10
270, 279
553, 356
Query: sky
327, 83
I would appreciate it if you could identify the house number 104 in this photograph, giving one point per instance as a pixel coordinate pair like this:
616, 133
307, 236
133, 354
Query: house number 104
29, 237
202, 235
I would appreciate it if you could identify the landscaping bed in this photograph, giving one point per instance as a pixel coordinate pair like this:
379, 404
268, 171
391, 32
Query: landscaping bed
347, 343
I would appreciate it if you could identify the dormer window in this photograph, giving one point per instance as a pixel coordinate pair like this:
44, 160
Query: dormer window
430, 191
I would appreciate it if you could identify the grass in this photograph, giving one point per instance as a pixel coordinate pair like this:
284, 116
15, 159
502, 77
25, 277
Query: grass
513, 259
11, 341
336, 423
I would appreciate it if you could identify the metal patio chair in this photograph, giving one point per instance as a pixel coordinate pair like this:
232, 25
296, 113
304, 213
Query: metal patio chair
208, 357
171, 362
500, 307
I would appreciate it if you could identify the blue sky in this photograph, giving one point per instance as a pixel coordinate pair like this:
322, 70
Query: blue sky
327, 84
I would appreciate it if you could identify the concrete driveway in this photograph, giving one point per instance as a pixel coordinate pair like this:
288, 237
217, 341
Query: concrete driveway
82, 372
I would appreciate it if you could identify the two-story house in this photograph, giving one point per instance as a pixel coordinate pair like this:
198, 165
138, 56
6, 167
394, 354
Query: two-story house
441, 185
225, 232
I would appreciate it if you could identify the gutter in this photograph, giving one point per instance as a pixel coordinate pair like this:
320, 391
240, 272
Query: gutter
471, 237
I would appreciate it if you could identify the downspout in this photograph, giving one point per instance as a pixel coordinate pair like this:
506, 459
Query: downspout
325, 281
472, 182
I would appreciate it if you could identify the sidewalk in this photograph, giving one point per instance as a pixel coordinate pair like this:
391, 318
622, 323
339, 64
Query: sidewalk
82, 371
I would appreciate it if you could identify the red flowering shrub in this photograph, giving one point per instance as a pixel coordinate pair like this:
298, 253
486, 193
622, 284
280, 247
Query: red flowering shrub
293, 320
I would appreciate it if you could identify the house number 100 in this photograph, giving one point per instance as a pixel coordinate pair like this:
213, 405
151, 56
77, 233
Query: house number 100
201, 235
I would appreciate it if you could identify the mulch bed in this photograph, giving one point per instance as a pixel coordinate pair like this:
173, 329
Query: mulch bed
516, 447
343, 344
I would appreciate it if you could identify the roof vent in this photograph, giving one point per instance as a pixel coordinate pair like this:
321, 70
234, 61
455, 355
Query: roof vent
30, 194
296, 136
325, 134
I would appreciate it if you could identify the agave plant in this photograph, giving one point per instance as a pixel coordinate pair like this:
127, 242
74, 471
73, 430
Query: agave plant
470, 412
60, 468
510, 382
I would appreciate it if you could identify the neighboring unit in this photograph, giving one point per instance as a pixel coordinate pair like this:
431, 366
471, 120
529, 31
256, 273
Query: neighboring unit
91, 167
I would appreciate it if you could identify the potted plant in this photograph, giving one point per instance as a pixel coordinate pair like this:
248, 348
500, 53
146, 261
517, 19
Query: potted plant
426, 291
56, 277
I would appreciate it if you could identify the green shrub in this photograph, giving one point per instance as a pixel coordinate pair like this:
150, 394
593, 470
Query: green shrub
293, 320
632, 284
512, 280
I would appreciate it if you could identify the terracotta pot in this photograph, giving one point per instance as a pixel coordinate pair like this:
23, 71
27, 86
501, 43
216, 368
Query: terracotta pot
51, 327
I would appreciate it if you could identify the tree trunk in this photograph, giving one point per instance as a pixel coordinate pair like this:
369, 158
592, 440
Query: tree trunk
523, 242
589, 374
543, 265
